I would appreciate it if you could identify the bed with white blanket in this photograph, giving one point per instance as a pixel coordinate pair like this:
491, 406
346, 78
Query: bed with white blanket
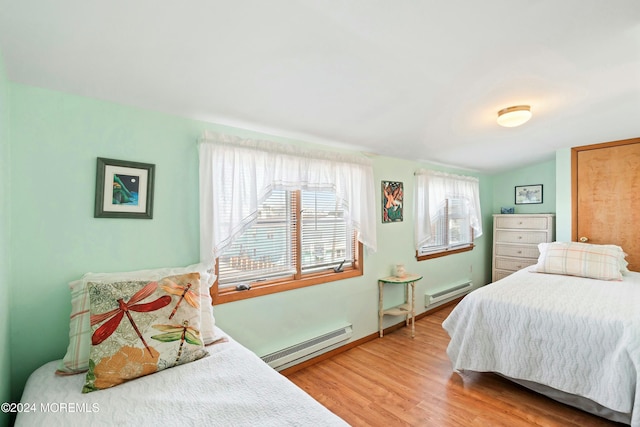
144, 350
230, 387
575, 339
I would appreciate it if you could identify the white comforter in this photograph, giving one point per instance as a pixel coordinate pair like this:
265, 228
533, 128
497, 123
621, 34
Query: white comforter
580, 336
231, 387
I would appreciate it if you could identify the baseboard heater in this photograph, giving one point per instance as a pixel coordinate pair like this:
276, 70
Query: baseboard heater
451, 291
307, 348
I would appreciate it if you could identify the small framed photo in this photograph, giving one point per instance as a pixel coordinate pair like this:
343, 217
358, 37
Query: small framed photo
392, 203
124, 189
528, 194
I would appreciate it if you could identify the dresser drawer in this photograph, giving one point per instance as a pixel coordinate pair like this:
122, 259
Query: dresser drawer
520, 251
518, 236
500, 274
514, 264
528, 223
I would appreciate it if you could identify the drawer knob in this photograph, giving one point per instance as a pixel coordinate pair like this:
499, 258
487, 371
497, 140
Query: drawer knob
519, 237
584, 239
519, 252
520, 223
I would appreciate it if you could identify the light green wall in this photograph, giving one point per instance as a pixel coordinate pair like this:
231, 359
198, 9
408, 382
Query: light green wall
5, 227
55, 139
539, 173
563, 195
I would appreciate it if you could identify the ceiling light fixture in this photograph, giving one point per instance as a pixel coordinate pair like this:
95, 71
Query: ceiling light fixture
514, 116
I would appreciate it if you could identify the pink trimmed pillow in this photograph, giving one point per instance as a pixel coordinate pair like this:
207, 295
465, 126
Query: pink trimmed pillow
76, 359
603, 262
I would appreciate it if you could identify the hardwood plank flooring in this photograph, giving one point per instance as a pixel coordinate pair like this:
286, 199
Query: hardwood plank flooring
397, 381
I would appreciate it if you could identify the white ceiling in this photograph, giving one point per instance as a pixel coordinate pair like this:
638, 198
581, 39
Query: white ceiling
414, 79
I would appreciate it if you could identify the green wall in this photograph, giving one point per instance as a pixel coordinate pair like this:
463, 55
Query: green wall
539, 173
563, 195
5, 227
55, 139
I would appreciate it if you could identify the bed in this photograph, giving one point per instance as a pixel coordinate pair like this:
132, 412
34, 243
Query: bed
144, 350
230, 387
572, 338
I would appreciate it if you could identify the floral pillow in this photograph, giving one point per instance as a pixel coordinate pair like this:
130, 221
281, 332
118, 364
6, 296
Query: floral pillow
76, 359
142, 327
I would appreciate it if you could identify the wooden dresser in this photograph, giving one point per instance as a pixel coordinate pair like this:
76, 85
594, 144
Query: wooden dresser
515, 241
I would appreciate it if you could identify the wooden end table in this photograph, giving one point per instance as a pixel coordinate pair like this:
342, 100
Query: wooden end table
407, 309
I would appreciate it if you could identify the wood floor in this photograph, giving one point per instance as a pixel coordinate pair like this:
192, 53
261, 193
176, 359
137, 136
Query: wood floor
397, 381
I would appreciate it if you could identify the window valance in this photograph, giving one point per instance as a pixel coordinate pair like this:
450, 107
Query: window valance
238, 174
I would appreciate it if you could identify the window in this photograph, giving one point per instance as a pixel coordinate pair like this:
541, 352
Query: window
450, 229
447, 214
272, 216
326, 237
298, 236
265, 250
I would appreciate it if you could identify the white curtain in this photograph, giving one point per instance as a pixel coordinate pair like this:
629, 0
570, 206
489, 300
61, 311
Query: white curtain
432, 188
237, 175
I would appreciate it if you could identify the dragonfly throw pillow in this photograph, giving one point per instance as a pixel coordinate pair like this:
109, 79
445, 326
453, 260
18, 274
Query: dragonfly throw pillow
76, 359
142, 327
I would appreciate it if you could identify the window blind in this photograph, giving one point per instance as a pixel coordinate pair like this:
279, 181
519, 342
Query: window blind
450, 227
265, 249
326, 236
460, 232
268, 249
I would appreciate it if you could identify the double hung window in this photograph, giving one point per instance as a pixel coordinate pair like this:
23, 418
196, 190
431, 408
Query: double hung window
297, 234
450, 228
447, 213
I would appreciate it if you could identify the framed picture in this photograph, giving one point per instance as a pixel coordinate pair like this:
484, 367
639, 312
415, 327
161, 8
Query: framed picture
124, 189
392, 195
528, 194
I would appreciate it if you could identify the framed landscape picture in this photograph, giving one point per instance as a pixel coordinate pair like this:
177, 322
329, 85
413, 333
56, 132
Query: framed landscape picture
124, 189
528, 194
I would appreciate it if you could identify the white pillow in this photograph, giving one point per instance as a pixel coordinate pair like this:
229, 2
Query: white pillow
604, 262
76, 360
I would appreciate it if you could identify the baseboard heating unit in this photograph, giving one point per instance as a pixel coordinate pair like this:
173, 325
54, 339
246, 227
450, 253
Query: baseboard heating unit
453, 290
287, 356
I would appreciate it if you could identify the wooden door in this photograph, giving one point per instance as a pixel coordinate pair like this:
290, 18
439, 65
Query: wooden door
607, 196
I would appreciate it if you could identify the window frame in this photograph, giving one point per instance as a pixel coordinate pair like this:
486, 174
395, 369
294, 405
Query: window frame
297, 280
447, 250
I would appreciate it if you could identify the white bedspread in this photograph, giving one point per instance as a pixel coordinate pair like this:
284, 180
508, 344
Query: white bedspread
580, 336
231, 387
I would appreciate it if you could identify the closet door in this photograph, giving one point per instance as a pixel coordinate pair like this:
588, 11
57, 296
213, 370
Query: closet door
607, 196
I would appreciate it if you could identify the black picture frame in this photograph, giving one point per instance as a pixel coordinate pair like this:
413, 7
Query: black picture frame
528, 194
124, 189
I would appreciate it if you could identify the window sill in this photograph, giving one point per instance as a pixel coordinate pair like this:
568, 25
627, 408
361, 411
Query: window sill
266, 288
444, 253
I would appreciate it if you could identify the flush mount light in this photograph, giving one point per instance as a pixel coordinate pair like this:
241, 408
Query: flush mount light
514, 116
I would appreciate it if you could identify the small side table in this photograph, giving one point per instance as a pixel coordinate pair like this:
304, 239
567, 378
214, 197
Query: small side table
408, 308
